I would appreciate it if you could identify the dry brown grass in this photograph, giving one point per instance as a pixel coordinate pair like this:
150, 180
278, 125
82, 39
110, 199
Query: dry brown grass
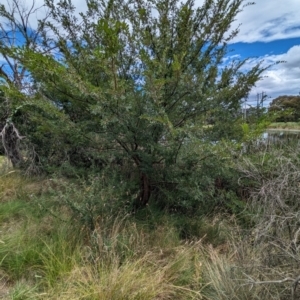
147, 277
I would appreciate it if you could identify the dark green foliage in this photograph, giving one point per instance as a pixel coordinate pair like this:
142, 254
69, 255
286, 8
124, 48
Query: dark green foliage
137, 91
286, 108
89, 199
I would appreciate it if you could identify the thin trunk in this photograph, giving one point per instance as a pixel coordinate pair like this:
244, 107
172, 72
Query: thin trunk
10, 141
145, 191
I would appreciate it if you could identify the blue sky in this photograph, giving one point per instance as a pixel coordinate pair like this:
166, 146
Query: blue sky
281, 79
259, 49
269, 32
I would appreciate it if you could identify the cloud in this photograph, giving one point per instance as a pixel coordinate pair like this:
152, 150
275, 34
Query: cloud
280, 79
269, 20
38, 9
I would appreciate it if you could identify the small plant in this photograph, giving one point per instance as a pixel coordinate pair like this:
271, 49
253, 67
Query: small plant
87, 199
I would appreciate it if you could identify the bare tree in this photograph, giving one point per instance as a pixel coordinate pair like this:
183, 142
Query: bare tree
17, 29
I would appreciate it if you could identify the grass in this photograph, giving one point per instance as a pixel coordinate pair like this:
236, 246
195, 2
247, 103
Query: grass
47, 254
43, 257
285, 125
152, 275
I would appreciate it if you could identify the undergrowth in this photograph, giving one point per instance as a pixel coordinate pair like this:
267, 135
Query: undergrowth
48, 250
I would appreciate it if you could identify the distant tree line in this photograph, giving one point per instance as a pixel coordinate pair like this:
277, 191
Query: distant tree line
286, 108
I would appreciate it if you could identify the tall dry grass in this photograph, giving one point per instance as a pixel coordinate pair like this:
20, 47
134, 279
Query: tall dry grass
46, 254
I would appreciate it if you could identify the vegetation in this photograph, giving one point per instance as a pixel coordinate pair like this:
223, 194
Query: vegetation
285, 125
128, 90
286, 108
131, 173
48, 250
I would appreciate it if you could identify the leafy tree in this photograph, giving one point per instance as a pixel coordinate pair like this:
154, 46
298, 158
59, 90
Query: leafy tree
133, 84
288, 108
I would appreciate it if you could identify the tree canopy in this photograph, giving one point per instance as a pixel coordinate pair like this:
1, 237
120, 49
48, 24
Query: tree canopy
288, 108
132, 86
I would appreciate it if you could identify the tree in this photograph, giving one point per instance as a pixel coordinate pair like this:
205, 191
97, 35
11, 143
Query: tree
16, 31
288, 108
135, 83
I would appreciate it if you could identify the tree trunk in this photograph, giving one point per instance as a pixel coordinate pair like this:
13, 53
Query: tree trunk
145, 191
10, 141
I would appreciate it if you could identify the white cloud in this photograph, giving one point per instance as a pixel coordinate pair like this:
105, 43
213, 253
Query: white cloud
269, 20
282, 78
38, 9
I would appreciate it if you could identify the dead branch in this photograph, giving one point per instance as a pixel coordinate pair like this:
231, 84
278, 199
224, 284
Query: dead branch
294, 285
10, 141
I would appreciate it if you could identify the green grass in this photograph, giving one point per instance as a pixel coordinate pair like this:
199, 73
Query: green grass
46, 254
44, 257
285, 125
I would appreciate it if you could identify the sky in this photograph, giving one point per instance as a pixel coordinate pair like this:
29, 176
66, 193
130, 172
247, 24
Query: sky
269, 32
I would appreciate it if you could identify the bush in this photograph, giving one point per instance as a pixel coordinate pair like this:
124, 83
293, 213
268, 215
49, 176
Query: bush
89, 199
